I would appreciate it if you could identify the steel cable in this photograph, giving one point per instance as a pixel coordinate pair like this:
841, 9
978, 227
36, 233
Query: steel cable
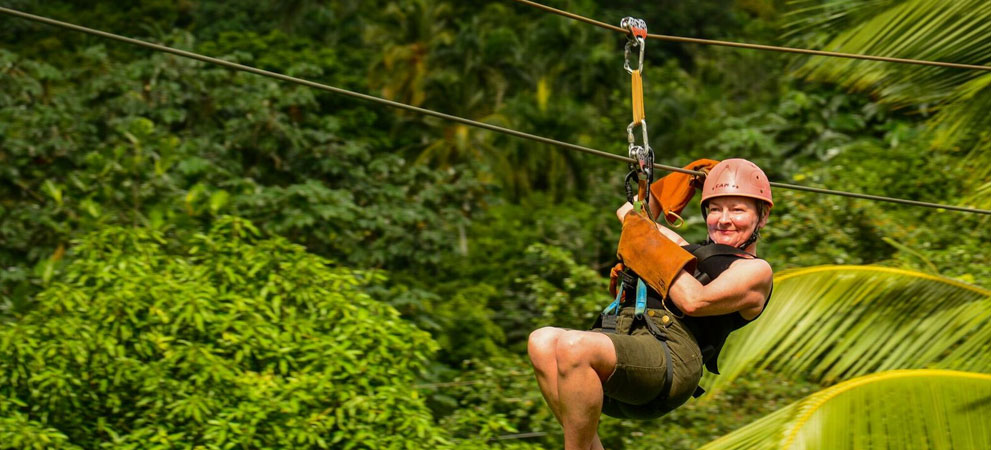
498, 129
773, 48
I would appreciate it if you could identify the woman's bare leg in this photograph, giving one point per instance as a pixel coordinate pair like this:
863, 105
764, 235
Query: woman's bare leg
542, 348
584, 361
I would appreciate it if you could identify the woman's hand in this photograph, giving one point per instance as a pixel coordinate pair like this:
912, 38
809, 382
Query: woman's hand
623, 211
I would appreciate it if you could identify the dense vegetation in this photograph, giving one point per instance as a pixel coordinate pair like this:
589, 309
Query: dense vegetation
140, 303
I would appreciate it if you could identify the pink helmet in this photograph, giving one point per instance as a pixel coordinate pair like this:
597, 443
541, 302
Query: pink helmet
737, 177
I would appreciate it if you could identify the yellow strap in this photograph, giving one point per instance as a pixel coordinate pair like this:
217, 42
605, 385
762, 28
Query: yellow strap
639, 206
637, 80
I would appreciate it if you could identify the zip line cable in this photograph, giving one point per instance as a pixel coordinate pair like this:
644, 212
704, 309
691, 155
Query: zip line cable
427, 112
531, 434
773, 48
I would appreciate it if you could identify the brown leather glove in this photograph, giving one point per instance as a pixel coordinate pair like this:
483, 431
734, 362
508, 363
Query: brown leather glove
650, 254
675, 190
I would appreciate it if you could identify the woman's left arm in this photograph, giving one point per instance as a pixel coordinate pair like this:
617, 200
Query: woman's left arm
742, 287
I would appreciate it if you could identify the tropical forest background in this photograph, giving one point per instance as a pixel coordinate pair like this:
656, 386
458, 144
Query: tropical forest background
192, 257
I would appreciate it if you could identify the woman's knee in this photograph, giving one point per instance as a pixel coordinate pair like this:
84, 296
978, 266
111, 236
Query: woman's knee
571, 349
541, 345
584, 348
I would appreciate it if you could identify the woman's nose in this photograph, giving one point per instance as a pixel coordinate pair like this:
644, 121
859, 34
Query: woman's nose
724, 217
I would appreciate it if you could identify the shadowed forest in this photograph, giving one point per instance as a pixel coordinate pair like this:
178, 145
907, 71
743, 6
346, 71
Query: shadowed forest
193, 257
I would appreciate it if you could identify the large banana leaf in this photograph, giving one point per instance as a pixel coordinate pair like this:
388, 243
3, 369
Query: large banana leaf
898, 409
832, 323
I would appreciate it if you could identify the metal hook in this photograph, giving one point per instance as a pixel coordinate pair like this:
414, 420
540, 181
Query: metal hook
642, 151
636, 38
634, 42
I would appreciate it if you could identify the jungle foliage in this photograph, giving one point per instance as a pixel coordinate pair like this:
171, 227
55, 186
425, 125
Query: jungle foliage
217, 340
154, 211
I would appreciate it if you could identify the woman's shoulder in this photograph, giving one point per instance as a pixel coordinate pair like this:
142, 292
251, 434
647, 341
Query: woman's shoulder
756, 267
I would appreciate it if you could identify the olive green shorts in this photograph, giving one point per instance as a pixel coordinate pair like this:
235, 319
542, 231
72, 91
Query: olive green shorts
634, 389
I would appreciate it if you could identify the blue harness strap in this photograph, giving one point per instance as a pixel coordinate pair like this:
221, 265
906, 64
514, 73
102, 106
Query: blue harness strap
641, 298
641, 304
613, 307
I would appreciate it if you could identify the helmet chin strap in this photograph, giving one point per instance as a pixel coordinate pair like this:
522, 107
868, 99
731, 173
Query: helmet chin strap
753, 238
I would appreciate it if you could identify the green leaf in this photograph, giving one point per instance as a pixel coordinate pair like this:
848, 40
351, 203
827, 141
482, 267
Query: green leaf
218, 200
894, 409
832, 323
53, 190
937, 30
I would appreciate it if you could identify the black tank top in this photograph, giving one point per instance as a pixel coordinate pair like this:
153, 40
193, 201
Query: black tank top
711, 331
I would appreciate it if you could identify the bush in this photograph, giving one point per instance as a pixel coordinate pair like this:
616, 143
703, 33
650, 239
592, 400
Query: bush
218, 340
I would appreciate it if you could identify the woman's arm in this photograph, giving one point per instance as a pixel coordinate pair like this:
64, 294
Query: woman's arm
741, 288
623, 211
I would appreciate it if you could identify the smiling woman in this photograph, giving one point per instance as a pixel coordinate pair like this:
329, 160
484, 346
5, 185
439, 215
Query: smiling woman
676, 306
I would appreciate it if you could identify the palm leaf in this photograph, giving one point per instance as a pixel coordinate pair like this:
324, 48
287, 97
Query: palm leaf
895, 409
832, 323
955, 31
806, 19
920, 29
981, 197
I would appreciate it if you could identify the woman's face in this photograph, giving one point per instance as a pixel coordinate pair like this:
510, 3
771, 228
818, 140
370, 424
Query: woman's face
731, 220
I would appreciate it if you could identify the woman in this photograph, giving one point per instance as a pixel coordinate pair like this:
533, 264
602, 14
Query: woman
639, 371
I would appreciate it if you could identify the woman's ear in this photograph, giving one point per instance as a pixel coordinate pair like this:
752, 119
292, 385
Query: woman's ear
765, 213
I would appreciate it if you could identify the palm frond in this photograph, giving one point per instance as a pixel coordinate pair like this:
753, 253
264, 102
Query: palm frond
957, 31
832, 323
981, 197
895, 409
806, 17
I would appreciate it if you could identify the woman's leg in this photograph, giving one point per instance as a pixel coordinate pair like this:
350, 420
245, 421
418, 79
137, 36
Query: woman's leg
585, 360
542, 348
546, 348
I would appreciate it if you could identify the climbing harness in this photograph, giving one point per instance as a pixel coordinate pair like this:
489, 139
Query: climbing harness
711, 331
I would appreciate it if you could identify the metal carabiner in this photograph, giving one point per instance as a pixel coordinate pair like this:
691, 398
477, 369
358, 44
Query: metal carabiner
634, 42
643, 129
636, 38
634, 176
